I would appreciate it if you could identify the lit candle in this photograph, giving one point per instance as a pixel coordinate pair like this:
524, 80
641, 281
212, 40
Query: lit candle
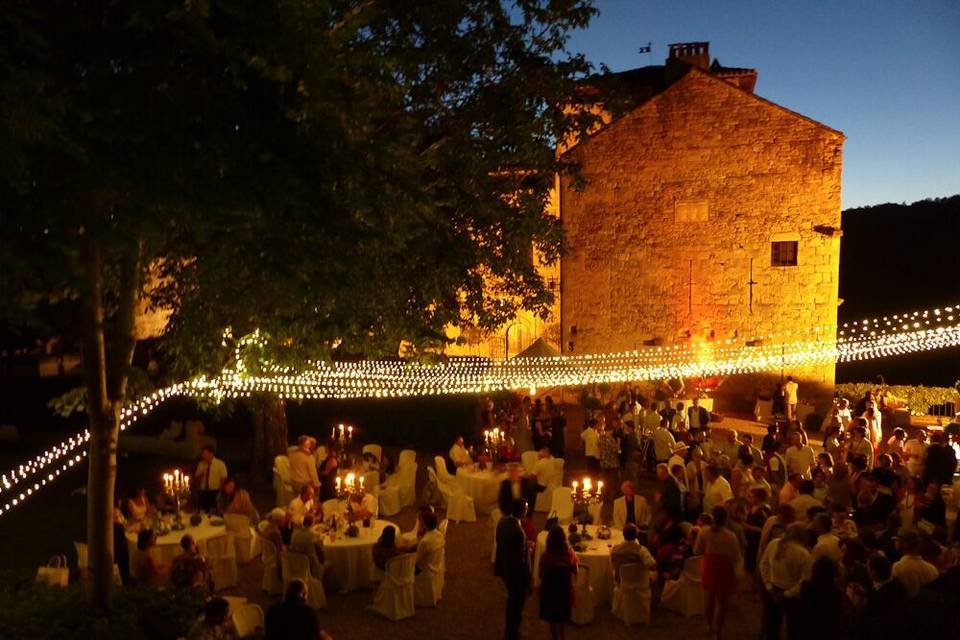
349, 432
351, 479
600, 487
333, 433
575, 486
341, 430
338, 483
361, 482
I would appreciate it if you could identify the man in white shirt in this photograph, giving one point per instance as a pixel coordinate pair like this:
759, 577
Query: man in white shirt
545, 470
459, 454
663, 441
697, 416
912, 570
827, 543
651, 419
678, 454
843, 412
800, 458
803, 502
591, 445
630, 509
209, 476
914, 451
303, 465
783, 571
716, 490
790, 397
302, 505
430, 546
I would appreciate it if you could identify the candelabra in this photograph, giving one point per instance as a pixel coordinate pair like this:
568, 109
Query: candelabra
177, 486
492, 439
341, 437
585, 496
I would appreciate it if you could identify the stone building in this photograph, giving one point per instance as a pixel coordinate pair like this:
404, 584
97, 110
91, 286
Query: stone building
709, 213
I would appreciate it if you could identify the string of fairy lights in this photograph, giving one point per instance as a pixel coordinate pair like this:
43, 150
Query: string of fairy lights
863, 340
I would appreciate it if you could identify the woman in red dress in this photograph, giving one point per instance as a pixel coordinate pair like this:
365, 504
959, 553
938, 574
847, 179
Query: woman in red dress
721, 555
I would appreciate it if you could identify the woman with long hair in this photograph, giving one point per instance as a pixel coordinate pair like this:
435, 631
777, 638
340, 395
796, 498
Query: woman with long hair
241, 503
721, 555
558, 568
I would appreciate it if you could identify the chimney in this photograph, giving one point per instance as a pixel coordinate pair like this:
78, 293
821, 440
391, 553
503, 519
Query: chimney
692, 53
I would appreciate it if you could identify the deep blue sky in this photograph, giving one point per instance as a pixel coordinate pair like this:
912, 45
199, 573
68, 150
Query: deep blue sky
886, 73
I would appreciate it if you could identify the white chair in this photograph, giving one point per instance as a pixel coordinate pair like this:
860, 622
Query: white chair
394, 598
442, 473
375, 449
320, 454
388, 497
562, 503
685, 595
544, 502
296, 566
428, 584
405, 482
495, 516
631, 598
247, 620
585, 609
407, 456
529, 461
459, 506
329, 508
282, 486
292, 448
272, 578
222, 559
248, 543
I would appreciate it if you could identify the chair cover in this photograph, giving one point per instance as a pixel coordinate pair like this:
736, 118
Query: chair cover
529, 460
442, 472
394, 598
272, 579
388, 497
405, 482
248, 543
428, 585
320, 455
81, 547
282, 486
495, 516
584, 607
296, 566
329, 508
375, 449
685, 595
222, 558
247, 619
544, 500
631, 598
459, 506
292, 448
407, 456
562, 503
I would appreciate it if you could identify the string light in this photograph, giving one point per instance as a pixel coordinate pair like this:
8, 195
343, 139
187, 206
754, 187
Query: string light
863, 340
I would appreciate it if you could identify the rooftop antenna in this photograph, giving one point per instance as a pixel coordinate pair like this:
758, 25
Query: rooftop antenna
647, 49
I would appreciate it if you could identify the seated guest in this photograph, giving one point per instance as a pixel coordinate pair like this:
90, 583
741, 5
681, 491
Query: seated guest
304, 540
911, 570
630, 551
189, 569
386, 547
146, 570
216, 624
514, 487
292, 619
207, 479
273, 527
241, 504
302, 505
303, 464
328, 477
459, 455
431, 540
803, 502
138, 508
630, 508
363, 507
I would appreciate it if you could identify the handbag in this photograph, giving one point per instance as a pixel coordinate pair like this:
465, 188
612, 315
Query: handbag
55, 573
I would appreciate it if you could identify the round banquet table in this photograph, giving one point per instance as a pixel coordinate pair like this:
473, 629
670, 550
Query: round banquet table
482, 486
168, 546
350, 560
596, 557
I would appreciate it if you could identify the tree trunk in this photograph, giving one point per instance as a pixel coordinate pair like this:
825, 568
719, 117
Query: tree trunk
270, 432
106, 392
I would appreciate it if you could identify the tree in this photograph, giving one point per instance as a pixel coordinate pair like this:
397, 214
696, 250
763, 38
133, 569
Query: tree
343, 175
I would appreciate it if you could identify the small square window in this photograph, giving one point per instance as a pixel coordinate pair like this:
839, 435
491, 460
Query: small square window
783, 254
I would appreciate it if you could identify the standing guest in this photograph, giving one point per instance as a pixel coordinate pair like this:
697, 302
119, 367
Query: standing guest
790, 389
874, 434
328, 476
695, 482
914, 451
771, 441
145, 569
853, 562
790, 491
459, 455
832, 444
825, 463
895, 442
544, 472
679, 423
800, 457
783, 566
522, 434
630, 551
909, 504
630, 508
558, 428
827, 543
940, 462
558, 567
303, 465
760, 480
678, 455
839, 486
697, 417
729, 449
303, 540
821, 602
716, 489
511, 564
209, 476
911, 570
663, 441
514, 487
721, 555
746, 445
189, 569
757, 515
292, 619
216, 624
630, 452
932, 509
805, 501
843, 525
775, 526
859, 446
651, 417
302, 505
820, 489
609, 449
591, 445
138, 509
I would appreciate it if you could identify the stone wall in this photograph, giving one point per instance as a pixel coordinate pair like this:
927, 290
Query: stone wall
681, 194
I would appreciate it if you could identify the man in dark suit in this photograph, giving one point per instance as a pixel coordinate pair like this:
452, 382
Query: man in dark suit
671, 494
514, 487
512, 565
697, 416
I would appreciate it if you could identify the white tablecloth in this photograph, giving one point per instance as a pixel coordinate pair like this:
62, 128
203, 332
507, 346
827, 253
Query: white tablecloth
482, 486
168, 546
350, 560
596, 557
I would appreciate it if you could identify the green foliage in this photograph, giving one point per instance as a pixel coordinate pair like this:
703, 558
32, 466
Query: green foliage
915, 399
40, 612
